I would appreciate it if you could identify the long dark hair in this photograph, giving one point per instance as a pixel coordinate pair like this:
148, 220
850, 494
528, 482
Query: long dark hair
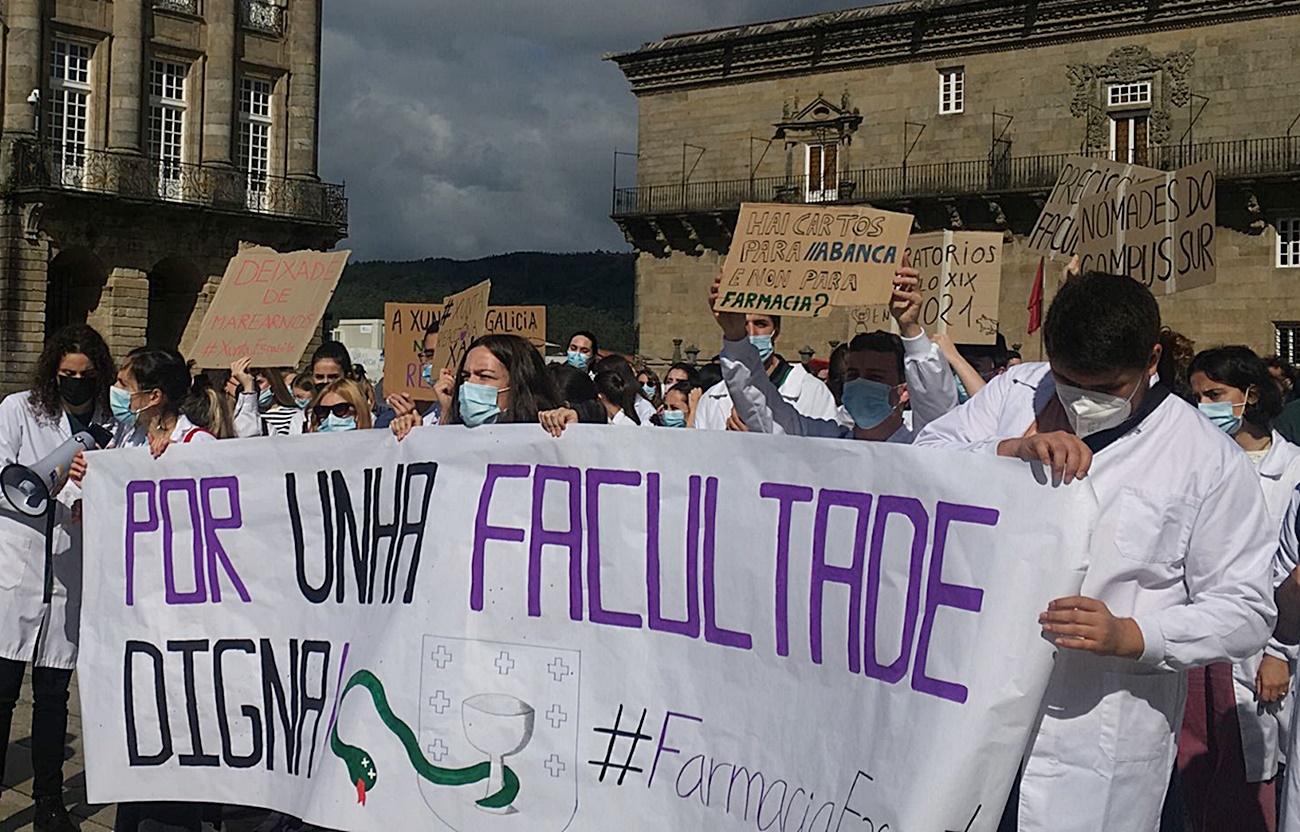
617, 388
531, 387
334, 351
193, 397
75, 338
280, 392
1241, 368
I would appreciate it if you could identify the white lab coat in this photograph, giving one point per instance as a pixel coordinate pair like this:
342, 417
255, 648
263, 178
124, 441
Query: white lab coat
1185, 548
1263, 732
248, 416
645, 410
30, 631
930, 383
806, 393
185, 431
1289, 553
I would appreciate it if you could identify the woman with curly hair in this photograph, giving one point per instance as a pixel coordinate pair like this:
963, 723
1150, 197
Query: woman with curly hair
69, 393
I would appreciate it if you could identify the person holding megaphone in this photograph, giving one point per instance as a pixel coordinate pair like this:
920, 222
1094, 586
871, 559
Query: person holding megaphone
39, 517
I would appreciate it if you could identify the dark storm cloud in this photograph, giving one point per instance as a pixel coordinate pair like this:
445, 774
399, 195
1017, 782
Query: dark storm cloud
467, 129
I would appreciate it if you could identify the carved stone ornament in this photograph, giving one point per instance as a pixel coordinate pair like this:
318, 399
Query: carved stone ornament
821, 120
1169, 88
32, 214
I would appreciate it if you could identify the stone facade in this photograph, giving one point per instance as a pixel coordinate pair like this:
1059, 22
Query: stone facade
1036, 81
100, 225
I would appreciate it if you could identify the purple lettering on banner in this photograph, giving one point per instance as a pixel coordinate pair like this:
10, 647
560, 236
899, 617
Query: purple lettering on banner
938, 593
911, 508
712, 632
787, 496
133, 527
596, 477
691, 626
483, 532
191, 491
570, 539
851, 576
211, 523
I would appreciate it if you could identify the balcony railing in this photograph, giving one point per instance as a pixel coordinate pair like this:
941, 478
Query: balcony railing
43, 166
1234, 159
182, 6
262, 16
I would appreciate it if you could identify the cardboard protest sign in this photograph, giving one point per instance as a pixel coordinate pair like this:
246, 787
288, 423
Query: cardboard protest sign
961, 277
464, 316
800, 260
490, 629
268, 306
1056, 234
1160, 232
404, 326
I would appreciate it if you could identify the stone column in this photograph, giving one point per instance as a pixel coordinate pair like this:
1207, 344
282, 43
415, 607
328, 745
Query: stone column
304, 87
126, 94
23, 65
220, 83
122, 316
24, 271
206, 294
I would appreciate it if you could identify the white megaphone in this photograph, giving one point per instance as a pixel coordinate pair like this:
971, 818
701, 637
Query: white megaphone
29, 489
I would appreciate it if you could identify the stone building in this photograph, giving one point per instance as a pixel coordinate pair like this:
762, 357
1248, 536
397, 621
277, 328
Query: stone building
142, 141
962, 113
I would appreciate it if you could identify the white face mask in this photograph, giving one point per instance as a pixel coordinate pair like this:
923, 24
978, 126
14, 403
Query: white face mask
1090, 412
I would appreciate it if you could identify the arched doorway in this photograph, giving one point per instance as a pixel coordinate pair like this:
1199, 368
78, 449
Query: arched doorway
73, 287
174, 287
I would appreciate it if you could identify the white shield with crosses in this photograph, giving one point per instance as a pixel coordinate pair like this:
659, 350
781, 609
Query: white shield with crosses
499, 721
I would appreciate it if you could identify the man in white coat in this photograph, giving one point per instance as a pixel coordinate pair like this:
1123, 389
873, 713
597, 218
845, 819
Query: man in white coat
1181, 560
884, 373
807, 394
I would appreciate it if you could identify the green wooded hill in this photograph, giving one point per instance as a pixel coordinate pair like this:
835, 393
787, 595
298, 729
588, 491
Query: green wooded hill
589, 290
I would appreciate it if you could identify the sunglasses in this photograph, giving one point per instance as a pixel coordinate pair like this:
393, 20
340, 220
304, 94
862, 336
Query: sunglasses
341, 410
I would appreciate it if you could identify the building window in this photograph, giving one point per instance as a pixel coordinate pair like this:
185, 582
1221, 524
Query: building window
1288, 341
69, 108
1136, 94
255, 138
167, 123
952, 91
182, 6
823, 172
1288, 243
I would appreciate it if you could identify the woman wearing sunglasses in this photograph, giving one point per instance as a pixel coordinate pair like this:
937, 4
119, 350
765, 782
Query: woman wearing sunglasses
339, 406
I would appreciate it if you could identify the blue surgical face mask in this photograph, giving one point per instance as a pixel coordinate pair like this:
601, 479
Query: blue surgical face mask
301, 402
478, 404
868, 402
649, 390
1223, 415
764, 345
580, 360
426, 374
337, 424
673, 419
265, 397
119, 400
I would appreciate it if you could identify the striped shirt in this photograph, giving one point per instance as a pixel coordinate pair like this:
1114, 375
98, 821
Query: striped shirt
282, 421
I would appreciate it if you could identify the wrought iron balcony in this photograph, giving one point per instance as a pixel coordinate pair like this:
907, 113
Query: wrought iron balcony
1263, 158
41, 166
182, 6
265, 16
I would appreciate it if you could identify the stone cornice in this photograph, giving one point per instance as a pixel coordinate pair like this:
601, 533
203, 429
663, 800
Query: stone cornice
910, 31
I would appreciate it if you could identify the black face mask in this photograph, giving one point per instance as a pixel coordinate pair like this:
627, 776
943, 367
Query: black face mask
77, 391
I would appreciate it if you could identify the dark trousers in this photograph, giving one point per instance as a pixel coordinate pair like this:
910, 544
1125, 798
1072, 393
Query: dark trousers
159, 817
49, 722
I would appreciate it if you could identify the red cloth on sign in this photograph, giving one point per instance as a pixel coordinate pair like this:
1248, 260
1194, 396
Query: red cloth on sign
1036, 299
1212, 764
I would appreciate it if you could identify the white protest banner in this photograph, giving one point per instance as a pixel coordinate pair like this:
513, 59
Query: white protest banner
800, 260
1056, 234
1160, 232
268, 307
490, 629
961, 278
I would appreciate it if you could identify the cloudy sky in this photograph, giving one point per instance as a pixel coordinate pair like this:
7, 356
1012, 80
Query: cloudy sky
477, 128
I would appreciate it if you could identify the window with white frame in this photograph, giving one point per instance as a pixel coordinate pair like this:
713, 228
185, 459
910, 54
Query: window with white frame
952, 90
255, 138
823, 162
167, 123
1131, 94
69, 108
1288, 243
1288, 341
